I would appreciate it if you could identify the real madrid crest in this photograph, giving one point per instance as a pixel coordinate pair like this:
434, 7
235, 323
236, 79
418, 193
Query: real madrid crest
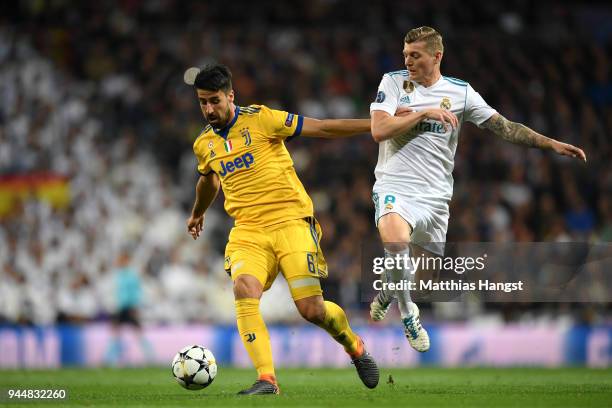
210, 144
446, 103
408, 86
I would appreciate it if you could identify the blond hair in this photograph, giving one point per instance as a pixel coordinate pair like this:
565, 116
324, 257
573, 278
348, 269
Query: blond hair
430, 36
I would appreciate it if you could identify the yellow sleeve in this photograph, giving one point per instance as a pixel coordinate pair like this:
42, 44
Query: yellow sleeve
200, 153
280, 124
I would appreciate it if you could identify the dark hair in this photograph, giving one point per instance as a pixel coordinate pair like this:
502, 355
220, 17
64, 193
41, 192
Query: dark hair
214, 77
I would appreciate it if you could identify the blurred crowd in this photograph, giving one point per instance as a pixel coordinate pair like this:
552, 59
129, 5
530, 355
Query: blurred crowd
94, 92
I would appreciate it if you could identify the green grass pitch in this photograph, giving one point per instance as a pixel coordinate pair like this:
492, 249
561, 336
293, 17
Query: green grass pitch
419, 387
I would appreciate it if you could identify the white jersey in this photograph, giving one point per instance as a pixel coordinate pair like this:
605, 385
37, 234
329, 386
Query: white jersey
420, 163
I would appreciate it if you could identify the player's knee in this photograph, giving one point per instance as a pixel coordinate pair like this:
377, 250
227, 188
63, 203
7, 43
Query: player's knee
247, 287
313, 311
395, 247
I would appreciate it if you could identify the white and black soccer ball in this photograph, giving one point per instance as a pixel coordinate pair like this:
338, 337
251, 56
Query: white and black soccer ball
194, 367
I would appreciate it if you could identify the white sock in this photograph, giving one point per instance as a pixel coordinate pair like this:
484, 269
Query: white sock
397, 275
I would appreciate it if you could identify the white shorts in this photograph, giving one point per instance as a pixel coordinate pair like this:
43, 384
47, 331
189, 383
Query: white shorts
428, 217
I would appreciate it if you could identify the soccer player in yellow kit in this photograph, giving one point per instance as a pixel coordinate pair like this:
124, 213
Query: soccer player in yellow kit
243, 151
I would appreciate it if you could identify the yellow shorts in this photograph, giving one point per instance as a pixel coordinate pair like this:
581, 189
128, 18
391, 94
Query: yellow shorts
291, 247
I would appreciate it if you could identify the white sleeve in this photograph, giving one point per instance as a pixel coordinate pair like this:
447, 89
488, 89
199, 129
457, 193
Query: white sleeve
387, 97
476, 109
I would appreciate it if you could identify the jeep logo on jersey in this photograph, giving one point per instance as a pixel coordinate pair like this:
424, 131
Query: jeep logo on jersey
243, 161
380, 97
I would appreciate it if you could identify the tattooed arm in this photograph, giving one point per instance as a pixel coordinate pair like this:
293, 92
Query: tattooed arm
520, 134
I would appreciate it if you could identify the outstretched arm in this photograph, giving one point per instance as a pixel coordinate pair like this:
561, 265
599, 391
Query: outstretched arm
334, 128
206, 192
520, 134
385, 126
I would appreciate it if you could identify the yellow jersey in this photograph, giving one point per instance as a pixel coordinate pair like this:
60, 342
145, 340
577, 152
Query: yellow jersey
255, 169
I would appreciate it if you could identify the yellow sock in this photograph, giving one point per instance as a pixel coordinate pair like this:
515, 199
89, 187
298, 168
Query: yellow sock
337, 325
255, 337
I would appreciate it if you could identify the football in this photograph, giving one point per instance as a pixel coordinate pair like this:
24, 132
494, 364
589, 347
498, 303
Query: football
194, 367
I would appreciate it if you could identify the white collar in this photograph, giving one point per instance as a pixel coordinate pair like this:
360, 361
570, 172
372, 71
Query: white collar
426, 89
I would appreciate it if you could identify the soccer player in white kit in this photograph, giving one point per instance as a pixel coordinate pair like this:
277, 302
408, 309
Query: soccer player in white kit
416, 119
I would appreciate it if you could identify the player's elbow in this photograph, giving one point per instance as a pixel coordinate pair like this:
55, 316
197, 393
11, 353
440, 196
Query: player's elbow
378, 135
380, 132
381, 126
